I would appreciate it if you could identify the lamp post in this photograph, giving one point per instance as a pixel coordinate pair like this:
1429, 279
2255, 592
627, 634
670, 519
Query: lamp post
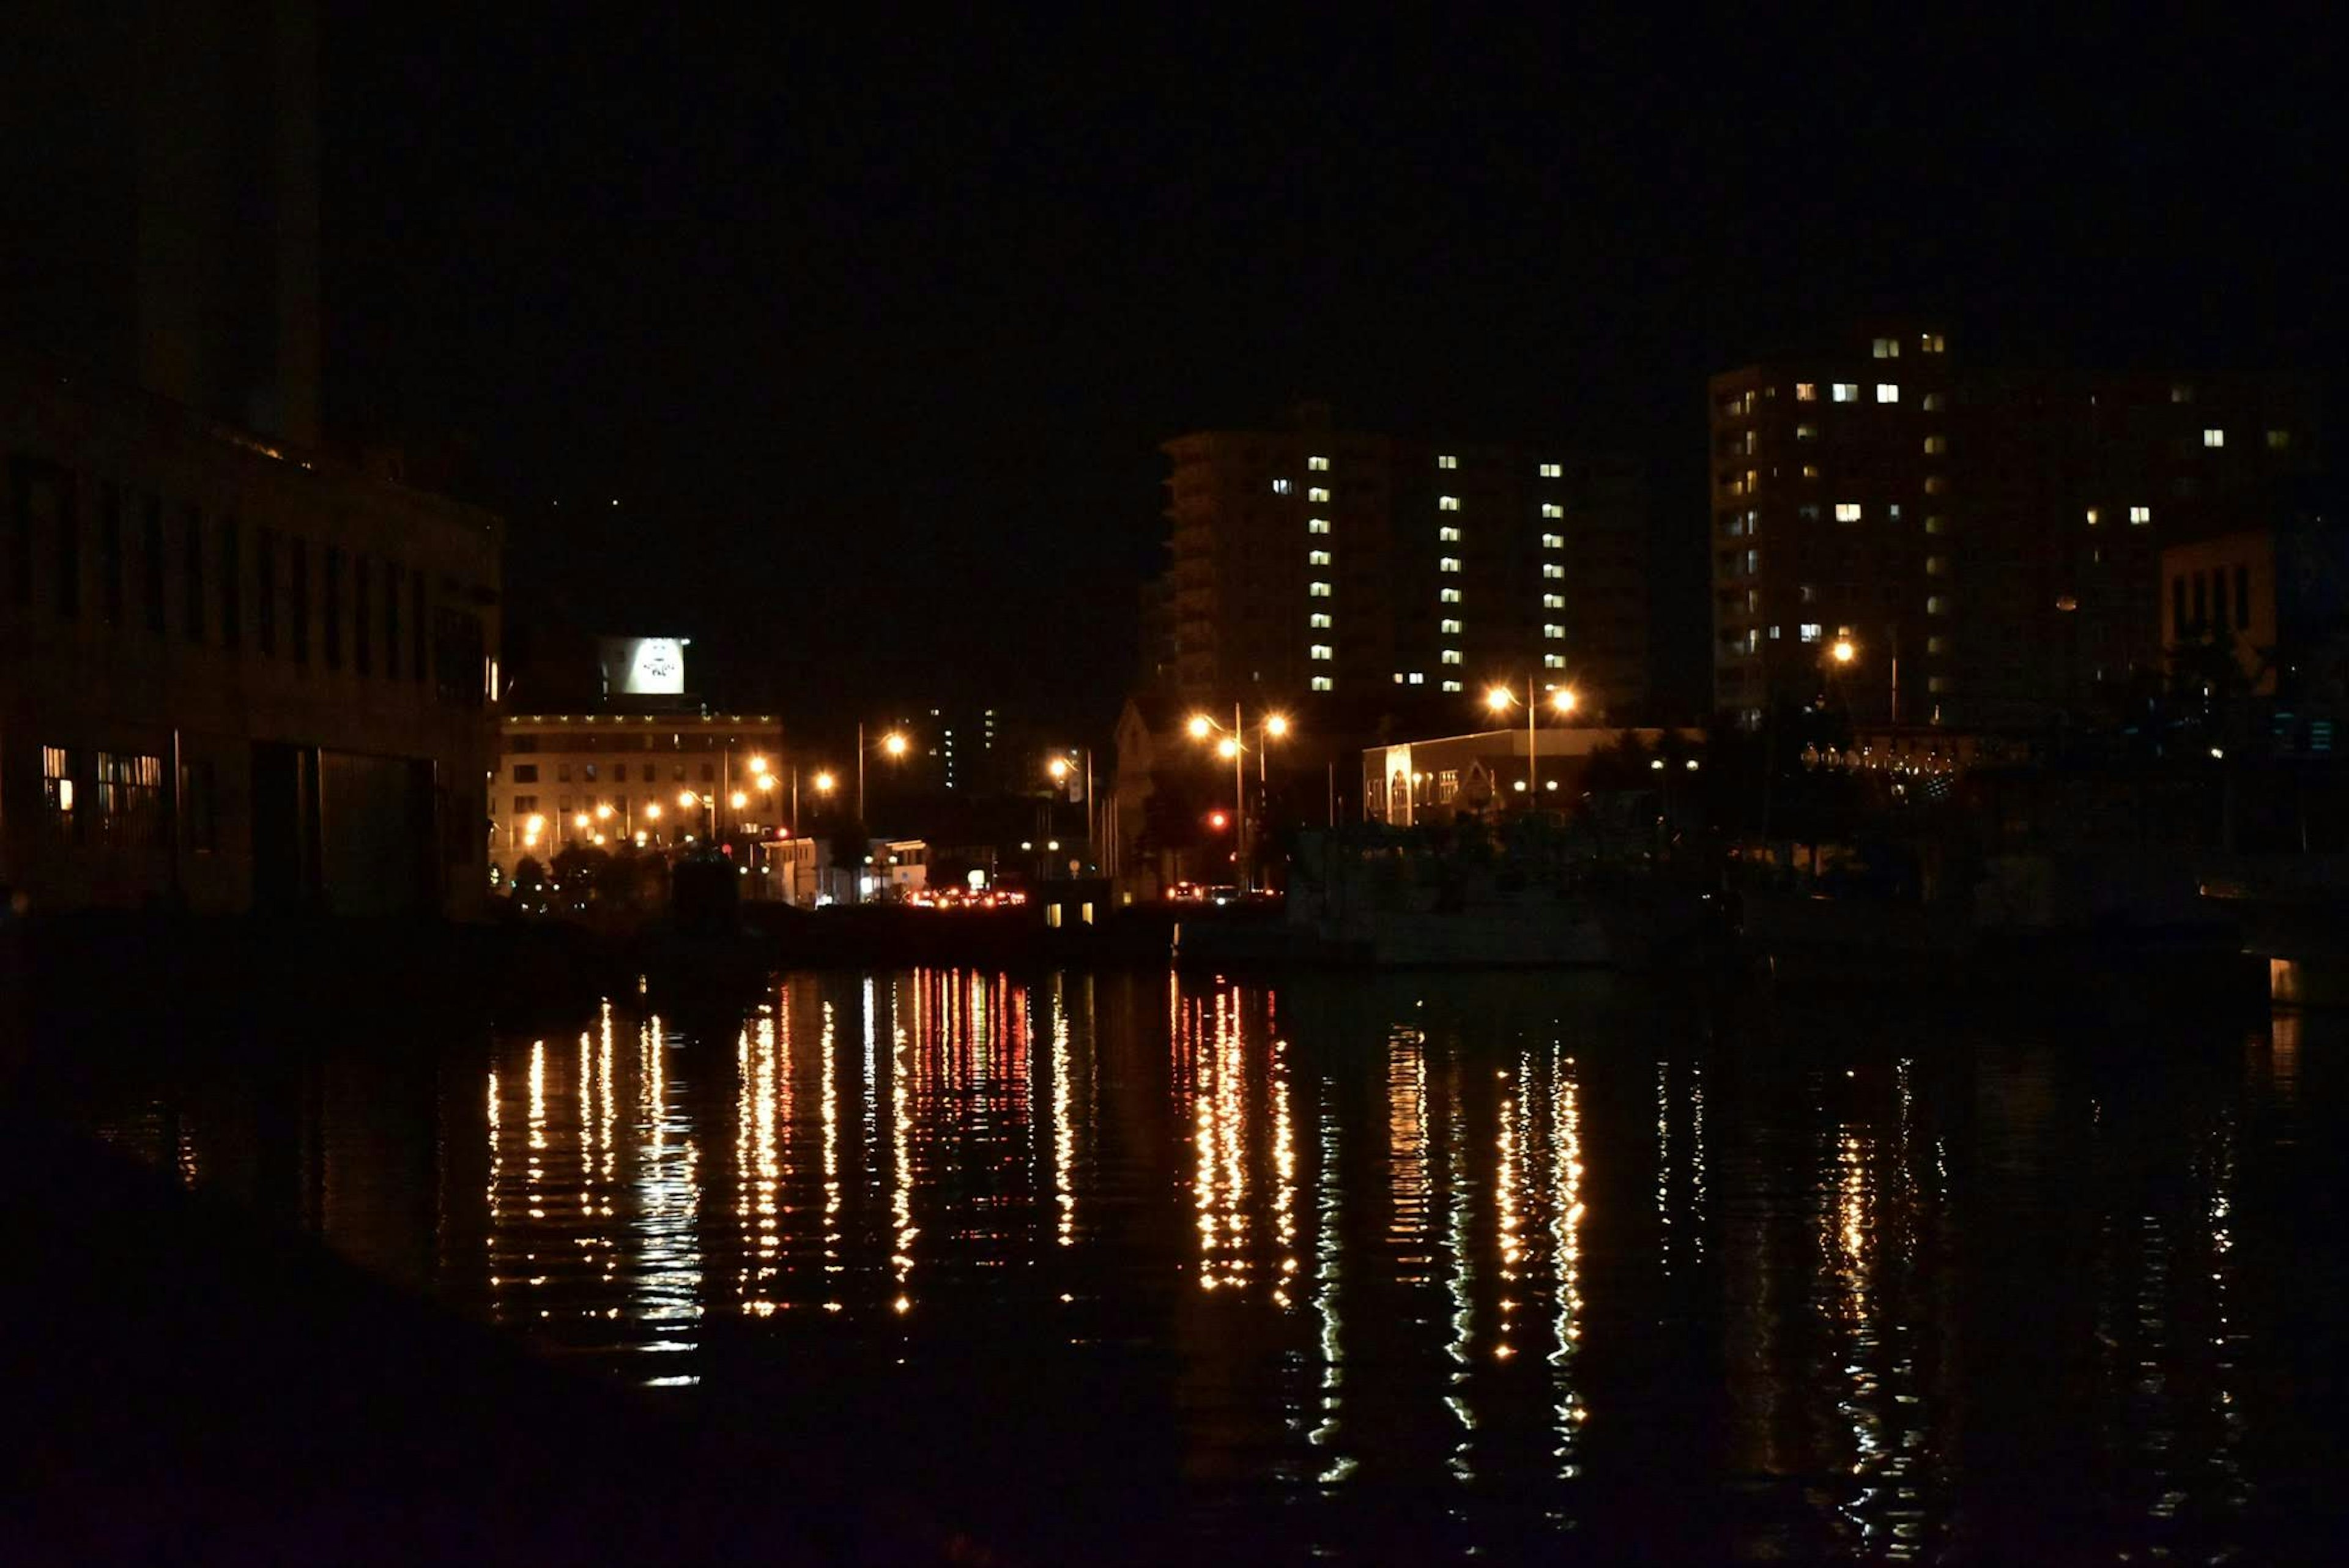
893, 743
1232, 743
1563, 701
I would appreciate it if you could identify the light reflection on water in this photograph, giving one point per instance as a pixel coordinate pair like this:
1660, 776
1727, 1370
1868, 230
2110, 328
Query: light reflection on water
1470, 1263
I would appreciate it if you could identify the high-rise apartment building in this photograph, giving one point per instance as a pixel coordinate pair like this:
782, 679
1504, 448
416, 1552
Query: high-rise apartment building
1311, 562
1989, 542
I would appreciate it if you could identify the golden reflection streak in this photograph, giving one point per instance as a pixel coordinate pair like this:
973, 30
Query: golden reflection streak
1509, 1171
534, 1170
496, 1217
1283, 1165
746, 1175
1407, 1152
1064, 1133
611, 1127
831, 1263
1219, 1121
1566, 1251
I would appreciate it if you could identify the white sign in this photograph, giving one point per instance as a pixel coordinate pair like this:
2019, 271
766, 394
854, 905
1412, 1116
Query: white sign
644, 666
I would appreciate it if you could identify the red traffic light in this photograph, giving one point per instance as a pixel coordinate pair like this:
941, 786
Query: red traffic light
1217, 820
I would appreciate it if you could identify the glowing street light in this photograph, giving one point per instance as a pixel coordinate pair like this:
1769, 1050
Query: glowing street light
1501, 699
1228, 748
1201, 726
581, 821
894, 743
1843, 652
1562, 700
1058, 768
1276, 725
824, 783
737, 800
1498, 699
758, 764
603, 812
652, 814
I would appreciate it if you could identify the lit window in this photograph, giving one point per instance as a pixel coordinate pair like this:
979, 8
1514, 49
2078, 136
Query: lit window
1775, 632
1552, 569
1322, 650
1847, 511
1847, 391
1323, 684
1418, 678
1447, 461
2213, 436
2139, 515
1887, 348
1806, 392
1318, 590
1553, 601
1449, 627
1935, 525
1317, 558
1807, 432
1452, 686
1753, 640
1808, 512
1808, 594
1552, 509
1447, 535
2096, 516
1319, 620
1552, 631
1448, 596
1316, 526
1932, 343
1936, 565
1937, 683
1937, 645
1553, 541
1450, 656
1552, 471
1553, 662
2279, 441
1447, 504
1810, 632
1810, 471
1936, 605
1888, 393
1317, 493
1936, 445
1892, 512
1280, 487
1752, 562
1935, 483
1933, 402
1447, 563
2181, 393
1318, 465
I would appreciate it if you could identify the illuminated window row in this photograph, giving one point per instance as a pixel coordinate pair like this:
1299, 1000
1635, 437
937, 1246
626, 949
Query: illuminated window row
1553, 510
1450, 656
1317, 525
1317, 558
1553, 541
1322, 650
1553, 632
1447, 535
1323, 684
1447, 504
1318, 465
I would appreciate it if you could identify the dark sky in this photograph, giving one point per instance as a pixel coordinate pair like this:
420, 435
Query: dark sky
872, 327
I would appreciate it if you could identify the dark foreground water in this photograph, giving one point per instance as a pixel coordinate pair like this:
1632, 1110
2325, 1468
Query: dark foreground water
1141, 1269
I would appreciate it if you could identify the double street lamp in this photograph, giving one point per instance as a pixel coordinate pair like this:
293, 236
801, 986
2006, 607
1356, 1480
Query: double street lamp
1562, 701
1232, 743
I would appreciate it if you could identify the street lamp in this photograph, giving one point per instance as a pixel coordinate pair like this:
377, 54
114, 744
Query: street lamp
1232, 743
1562, 701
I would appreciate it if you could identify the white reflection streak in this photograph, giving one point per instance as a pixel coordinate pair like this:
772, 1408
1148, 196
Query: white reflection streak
1456, 1196
1696, 1161
670, 1285
497, 1172
1064, 1134
1330, 1205
1664, 1166
1566, 1224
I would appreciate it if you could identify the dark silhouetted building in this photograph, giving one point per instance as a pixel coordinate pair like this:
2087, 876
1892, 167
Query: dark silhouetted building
1329, 571
1989, 541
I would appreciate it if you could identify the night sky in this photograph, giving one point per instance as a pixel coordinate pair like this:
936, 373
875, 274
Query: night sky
872, 327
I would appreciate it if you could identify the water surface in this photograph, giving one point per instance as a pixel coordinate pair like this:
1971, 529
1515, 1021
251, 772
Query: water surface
1403, 1269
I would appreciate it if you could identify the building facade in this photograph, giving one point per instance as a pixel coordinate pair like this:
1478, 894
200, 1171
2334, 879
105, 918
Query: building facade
651, 780
233, 676
1327, 568
1988, 542
1411, 782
